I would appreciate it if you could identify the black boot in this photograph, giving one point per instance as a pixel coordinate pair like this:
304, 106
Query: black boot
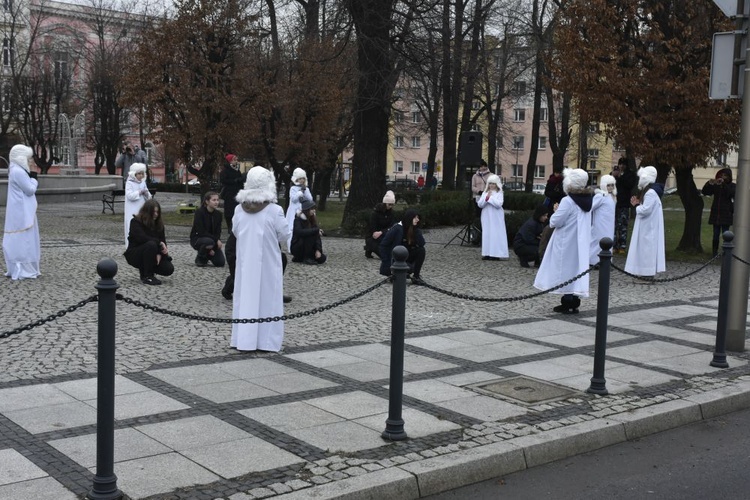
524, 262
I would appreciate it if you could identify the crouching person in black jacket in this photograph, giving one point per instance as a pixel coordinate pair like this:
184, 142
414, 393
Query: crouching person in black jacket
306, 245
206, 233
526, 242
147, 246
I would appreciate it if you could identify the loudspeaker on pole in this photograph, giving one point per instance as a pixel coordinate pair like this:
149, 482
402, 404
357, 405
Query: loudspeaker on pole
470, 148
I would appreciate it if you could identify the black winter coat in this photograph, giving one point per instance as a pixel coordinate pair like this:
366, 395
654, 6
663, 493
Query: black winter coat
722, 208
206, 225
625, 183
380, 220
393, 238
140, 234
232, 181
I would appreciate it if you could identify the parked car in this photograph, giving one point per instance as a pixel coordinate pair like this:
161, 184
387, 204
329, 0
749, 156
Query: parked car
514, 186
672, 190
538, 188
396, 185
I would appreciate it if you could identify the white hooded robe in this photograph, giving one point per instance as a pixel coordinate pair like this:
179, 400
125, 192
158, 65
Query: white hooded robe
21, 244
567, 253
494, 235
602, 223
647, 255
134, 200
258, 284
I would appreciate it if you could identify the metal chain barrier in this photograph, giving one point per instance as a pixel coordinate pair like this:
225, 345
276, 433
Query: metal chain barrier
741, 260
51, 317
667, 280
211, 319
505, 299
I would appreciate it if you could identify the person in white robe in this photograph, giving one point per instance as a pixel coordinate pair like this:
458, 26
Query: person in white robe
647, 252
21, 244
136, 194
603, 215
494, 235
298, 193
259, 227
567, 253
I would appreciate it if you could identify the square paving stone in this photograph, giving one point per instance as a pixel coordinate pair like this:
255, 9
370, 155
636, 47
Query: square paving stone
252, 368
129, 444
582, 338
476, 337
544, 370
423, 364
290, 416
37, 489
679, 334
241, 457
31, 396
536, 329
378, 353
483, 408
468, 378
436, 343
287, 383
140, 404
192, 375
365, 371
85, 389
325, 358
649, 351
694, 364
14, 468
234, 390
705, 325
416, 423
144, 477
193, 432
54, 417
341, 437
433, 391
637, 377
583, 382
351, 404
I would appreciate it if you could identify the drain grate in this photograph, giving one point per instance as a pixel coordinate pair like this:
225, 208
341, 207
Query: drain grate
524, 390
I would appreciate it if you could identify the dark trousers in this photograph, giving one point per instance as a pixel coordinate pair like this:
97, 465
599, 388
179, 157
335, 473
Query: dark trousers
622, 219
527, 253
305, 248
416, 260
231, 249
143, 257
718, 231
373, 245
204, 245
229, 206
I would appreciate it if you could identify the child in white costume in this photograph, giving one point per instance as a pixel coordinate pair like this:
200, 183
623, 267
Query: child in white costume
647, 254
136, 194
494, 235
21, 245
297, 194
603, 215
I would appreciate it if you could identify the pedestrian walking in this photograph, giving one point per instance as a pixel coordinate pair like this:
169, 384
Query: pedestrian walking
21, 243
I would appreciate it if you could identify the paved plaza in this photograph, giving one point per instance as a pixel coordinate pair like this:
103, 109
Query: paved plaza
196, 419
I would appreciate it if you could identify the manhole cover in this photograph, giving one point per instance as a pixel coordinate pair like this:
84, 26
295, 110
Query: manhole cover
523, 390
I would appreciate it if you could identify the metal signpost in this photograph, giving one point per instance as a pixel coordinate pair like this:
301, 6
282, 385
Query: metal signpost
728, 81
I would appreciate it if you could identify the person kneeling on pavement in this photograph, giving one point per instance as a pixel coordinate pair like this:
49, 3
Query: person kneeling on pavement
147, 246
526, 241
380, 221
307, 245
206, 233
407, 234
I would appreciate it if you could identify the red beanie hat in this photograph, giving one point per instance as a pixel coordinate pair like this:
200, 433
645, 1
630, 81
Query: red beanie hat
230, 157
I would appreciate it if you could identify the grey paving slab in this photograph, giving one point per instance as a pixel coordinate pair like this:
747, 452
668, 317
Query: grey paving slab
19, 398
193, 375
325, 358
650, 351
582, 338
129, 444
53, 417
364, 371
15, 468
705, 325
234, 390
288, 383
436, 343
389, 483
379, 353
467, 378
475, 337
635, 376
253, 368
347, 437
434, 391
543, 328
241, 457
694, 364
141, 404
679, 334
351, 404
291, 416
144, 477
483, 408
193, 432
416, 423
85, 389
39, 489
423, 364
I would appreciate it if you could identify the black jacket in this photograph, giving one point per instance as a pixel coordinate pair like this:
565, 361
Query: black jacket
528, 233
722, 208
380, 220
206, 225
232, 181
393, 238
625, 183
140, 234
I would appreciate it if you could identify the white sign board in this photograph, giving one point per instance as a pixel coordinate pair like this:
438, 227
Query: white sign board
728, 7
722, 66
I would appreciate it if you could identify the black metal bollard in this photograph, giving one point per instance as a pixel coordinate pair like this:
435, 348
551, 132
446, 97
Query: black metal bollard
105, 481
598, 382
720, 356
394, 425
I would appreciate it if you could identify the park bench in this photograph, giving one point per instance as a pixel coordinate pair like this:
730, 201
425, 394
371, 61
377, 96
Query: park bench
117, 196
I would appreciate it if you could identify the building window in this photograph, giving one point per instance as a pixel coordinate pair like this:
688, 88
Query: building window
519, 87
594, 128
9, 52
416, 142
475, 127
398, 142
518, 142
499, 143
7, 5
519, 115
592, 165
61, 67
398, 116
543, 114
398, 166
517, 170
414, 167
416, 117
593, 153
721, 160
501, 116
542, 142
539, 172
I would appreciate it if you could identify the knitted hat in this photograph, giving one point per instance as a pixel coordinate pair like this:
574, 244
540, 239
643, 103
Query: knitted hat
494, 179
646, 176
20, 154
574, 178
260, 187
298, 174
389, 198
307, 205
605, 181
136, 168
230, 158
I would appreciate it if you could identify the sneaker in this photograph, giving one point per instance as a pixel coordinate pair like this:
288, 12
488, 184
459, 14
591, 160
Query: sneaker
416, 280
151, 280
227, 294
310, 262
524, 263
201, 262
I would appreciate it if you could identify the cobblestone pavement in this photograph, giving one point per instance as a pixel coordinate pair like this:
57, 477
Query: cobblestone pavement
198, 420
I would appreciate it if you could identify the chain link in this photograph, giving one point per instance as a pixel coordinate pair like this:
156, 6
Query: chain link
211, 319
667, 280
741, 260
505, 299
51, 317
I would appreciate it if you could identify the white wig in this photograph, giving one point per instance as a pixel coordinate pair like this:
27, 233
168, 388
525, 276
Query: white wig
574, 179
298, 174
494, 179
260, 187
646, 176
20, 154
136, 168
605, 181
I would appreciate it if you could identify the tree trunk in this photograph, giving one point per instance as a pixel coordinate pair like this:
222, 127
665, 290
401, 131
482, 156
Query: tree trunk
693, 204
